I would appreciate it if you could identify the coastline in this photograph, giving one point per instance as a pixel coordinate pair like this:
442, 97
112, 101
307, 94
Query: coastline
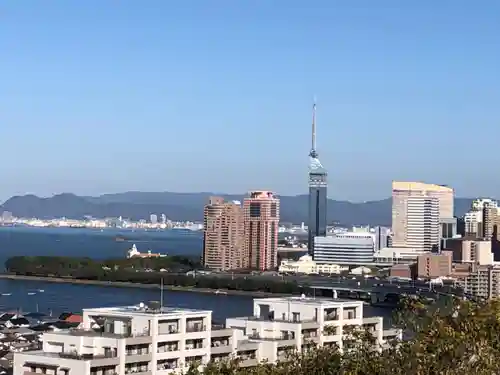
123, 284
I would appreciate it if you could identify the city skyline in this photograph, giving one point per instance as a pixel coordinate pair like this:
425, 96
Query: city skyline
99, 98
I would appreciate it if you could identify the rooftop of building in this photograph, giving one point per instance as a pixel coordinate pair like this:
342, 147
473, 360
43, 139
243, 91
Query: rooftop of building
417, 186
143, 309
261, 194
309, 301
268, 319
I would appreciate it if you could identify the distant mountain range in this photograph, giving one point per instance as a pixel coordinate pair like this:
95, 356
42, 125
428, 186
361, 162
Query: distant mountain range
189, 206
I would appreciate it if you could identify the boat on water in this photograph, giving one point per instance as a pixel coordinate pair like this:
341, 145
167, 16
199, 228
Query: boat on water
6, 294
41, 290
31, 293
220, 292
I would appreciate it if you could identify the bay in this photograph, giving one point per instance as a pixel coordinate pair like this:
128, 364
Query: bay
26, 296
93, 243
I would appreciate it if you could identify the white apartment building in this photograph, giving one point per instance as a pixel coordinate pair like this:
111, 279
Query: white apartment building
389, 256
149, 340
476, 219
279, 325
483, 281
480, 203
137, 339
472, 221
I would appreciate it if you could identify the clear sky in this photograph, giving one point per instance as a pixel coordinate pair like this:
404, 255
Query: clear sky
102, 96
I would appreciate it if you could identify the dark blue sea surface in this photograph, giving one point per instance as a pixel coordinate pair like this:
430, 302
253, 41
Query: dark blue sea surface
95, 243
56, 298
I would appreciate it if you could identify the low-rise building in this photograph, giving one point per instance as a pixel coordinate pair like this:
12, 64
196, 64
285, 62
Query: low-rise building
153, 340
401, 271
430, 266
471, 250
279, 325
483, 281
144, 340
306, 265
349, 248
389, 256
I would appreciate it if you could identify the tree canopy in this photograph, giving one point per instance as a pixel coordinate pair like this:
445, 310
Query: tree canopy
459, 339
144, 271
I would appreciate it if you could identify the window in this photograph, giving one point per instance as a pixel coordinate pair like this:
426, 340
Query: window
254, 209
274, 211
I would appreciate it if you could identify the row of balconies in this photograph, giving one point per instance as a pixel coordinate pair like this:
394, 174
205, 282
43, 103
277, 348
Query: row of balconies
173, 326
328, 315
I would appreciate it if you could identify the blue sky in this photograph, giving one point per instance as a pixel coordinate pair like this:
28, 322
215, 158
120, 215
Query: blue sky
196, 95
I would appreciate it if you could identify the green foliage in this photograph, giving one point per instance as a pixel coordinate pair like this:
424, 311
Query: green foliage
462, 339
133, 270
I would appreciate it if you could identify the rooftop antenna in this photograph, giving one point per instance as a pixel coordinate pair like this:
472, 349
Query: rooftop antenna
161, 295
313, 152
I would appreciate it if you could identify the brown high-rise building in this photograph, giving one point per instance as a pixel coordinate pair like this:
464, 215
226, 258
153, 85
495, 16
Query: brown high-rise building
490, 221
223, 235
262, 216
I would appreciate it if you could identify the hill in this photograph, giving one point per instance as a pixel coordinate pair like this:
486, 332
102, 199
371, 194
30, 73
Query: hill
189, 206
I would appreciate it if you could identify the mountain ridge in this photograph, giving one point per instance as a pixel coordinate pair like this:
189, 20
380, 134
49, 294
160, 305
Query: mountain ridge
189, 206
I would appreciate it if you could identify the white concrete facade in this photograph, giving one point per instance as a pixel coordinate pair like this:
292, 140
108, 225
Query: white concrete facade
279, 325
417, 210
346, 248
389, 256
306, 265
151, 341
137, 340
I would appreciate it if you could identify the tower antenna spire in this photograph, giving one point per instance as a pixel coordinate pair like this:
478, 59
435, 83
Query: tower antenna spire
313, 152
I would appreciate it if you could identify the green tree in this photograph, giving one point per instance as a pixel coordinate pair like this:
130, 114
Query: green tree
460, 339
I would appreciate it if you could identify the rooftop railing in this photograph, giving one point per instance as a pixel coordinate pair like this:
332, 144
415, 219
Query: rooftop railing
76, 355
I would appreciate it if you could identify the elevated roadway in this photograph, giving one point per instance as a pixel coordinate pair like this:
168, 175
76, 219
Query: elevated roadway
384, 293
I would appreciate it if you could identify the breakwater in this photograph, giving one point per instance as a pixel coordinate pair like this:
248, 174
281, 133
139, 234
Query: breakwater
124, 284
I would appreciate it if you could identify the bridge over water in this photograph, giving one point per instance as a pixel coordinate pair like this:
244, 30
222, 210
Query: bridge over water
383, 294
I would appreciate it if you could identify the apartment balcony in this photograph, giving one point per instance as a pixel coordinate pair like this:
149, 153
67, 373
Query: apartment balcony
221, 346
130, 372
134, 358
331, 317
139, 339
168, 349
248, 362
110, 359
246, 345
196, 328
225, 349
132, 337
306, 323
221, 332
310, 338
287, 340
